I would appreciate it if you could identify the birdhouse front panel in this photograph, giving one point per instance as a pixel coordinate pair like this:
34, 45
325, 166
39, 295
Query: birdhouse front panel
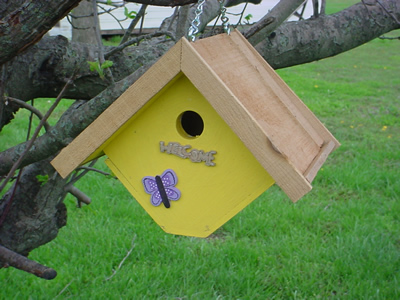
177, 144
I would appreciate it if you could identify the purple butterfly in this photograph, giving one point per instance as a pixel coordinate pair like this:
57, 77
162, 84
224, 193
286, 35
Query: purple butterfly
162, 188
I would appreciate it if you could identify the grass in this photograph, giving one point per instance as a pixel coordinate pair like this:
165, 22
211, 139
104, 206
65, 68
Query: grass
341, 241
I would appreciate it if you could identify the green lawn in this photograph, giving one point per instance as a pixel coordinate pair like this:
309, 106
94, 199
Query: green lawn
341, 241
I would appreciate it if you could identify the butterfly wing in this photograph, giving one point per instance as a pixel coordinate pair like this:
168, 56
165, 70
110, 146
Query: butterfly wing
150, 185
173, 193
169, 178
156, 199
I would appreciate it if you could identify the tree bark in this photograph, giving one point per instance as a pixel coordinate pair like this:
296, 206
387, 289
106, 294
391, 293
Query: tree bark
295, 43
23, 23
21, 262
32, 214
278, 14
173, 3
83, 30
42, 71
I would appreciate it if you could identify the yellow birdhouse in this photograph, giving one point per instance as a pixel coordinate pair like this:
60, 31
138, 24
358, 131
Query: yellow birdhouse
203, 133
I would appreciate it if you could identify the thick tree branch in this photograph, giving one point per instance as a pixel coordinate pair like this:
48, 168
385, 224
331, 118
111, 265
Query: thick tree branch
279, 14
295, 43
41, 70
173, 3
211, 9
23, 23
37, 212
170, 3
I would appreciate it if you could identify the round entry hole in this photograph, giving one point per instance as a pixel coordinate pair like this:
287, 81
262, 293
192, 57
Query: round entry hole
191, 123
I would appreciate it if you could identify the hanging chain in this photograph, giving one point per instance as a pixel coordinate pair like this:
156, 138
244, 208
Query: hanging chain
194, 27
224, 18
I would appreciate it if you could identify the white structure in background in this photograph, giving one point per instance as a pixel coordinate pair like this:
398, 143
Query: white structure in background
155, 14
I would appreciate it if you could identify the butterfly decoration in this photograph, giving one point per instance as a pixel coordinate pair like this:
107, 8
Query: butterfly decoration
162, 188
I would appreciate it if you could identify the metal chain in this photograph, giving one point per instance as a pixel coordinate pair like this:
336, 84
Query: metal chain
224, 18
194, 27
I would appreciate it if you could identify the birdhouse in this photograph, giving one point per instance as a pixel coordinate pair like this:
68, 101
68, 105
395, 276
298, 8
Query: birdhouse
203, 133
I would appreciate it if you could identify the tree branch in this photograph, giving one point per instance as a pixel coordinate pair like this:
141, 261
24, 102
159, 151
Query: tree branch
21, 26
137, 40
389, 38
13, 259
109, 76
37, 212
133, 24
30, 108
30, 143
295, 43
278, 14
78, 194
388, 12
182, 24
94, 170
173, 3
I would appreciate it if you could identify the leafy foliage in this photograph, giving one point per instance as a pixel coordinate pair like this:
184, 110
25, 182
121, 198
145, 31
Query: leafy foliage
248, 18
95, 66
129, 14
42, 178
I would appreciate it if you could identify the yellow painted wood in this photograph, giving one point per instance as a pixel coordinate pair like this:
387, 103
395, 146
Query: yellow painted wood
210, 195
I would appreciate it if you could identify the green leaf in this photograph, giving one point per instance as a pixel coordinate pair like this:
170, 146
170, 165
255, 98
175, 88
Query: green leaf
106, 64
129, 14
43, 179
248, 17
94, 65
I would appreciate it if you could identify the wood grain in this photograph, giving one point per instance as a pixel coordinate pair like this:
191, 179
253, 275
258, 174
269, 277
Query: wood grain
242, 122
